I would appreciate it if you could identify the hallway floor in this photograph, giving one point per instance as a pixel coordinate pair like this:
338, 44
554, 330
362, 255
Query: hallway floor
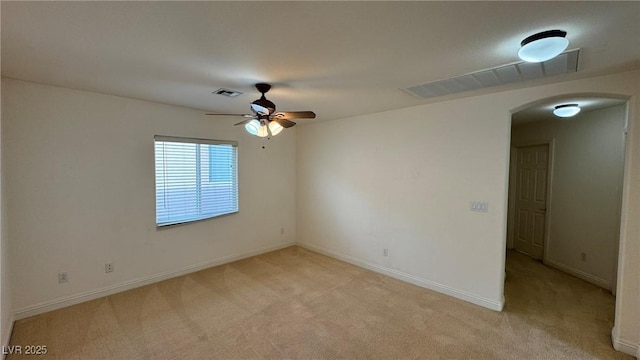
551, 302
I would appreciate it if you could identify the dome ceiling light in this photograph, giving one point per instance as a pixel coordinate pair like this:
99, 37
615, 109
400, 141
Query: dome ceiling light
566, 110
543, 46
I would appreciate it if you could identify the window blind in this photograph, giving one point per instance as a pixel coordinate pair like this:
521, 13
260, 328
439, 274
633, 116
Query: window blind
195, 179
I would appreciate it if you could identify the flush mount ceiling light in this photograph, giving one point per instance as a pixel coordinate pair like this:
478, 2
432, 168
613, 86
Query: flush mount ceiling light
566, 110
543, 46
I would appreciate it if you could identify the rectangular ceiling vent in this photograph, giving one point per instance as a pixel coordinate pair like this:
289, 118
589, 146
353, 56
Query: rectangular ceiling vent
227, 92
564, 63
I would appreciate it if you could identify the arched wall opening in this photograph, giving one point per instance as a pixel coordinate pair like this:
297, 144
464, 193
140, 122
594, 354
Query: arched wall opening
619, 112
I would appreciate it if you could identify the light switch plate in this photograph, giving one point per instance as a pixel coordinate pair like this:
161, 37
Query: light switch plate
480, 206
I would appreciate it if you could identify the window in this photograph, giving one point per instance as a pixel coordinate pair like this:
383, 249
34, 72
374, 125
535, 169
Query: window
218, 172
195, 179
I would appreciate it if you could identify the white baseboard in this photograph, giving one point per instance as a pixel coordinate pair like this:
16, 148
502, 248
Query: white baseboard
428, 284
624, 346
59, 303
598, 281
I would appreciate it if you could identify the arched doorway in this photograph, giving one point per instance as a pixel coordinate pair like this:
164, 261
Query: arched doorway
577, 197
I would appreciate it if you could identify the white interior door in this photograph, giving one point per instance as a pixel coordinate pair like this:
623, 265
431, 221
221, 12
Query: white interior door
531, 199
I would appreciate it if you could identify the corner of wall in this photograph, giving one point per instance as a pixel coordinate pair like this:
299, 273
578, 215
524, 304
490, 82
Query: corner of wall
7, 316
496, 305
6, 333
624, 345
628, 284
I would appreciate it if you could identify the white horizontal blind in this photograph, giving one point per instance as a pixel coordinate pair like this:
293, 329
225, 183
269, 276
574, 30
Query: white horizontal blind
195, 179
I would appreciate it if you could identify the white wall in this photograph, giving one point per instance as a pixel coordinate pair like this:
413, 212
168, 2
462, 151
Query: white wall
80, 193
401, 179
404, 179
6, 290
584, 212
626, 331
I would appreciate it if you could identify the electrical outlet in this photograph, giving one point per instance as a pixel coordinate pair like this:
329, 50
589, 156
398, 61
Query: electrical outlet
385, 252
63, 277
108, 267
583, 256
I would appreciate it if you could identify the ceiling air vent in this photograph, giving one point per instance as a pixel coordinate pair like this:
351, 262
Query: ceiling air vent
564, 63
227, 92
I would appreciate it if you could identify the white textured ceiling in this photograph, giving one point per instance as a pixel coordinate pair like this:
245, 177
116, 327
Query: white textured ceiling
335, 58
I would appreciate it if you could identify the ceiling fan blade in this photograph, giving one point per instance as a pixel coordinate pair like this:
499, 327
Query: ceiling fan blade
295, 115
244, 115
284, 122
244, 122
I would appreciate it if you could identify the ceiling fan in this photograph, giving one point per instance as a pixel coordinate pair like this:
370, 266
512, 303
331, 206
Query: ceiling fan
265, 120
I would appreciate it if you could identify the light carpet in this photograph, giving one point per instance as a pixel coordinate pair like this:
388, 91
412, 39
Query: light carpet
297, 304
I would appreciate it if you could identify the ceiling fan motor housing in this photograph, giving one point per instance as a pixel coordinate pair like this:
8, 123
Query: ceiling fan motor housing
259, 106
263, 87
263, 105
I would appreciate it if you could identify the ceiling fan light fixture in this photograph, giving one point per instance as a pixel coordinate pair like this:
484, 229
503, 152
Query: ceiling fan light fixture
265, 121
252, 127
275, 128
566, 110
262, 131
543, 46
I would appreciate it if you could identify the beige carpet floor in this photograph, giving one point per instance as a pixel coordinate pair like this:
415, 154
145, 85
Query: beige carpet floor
297, 304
